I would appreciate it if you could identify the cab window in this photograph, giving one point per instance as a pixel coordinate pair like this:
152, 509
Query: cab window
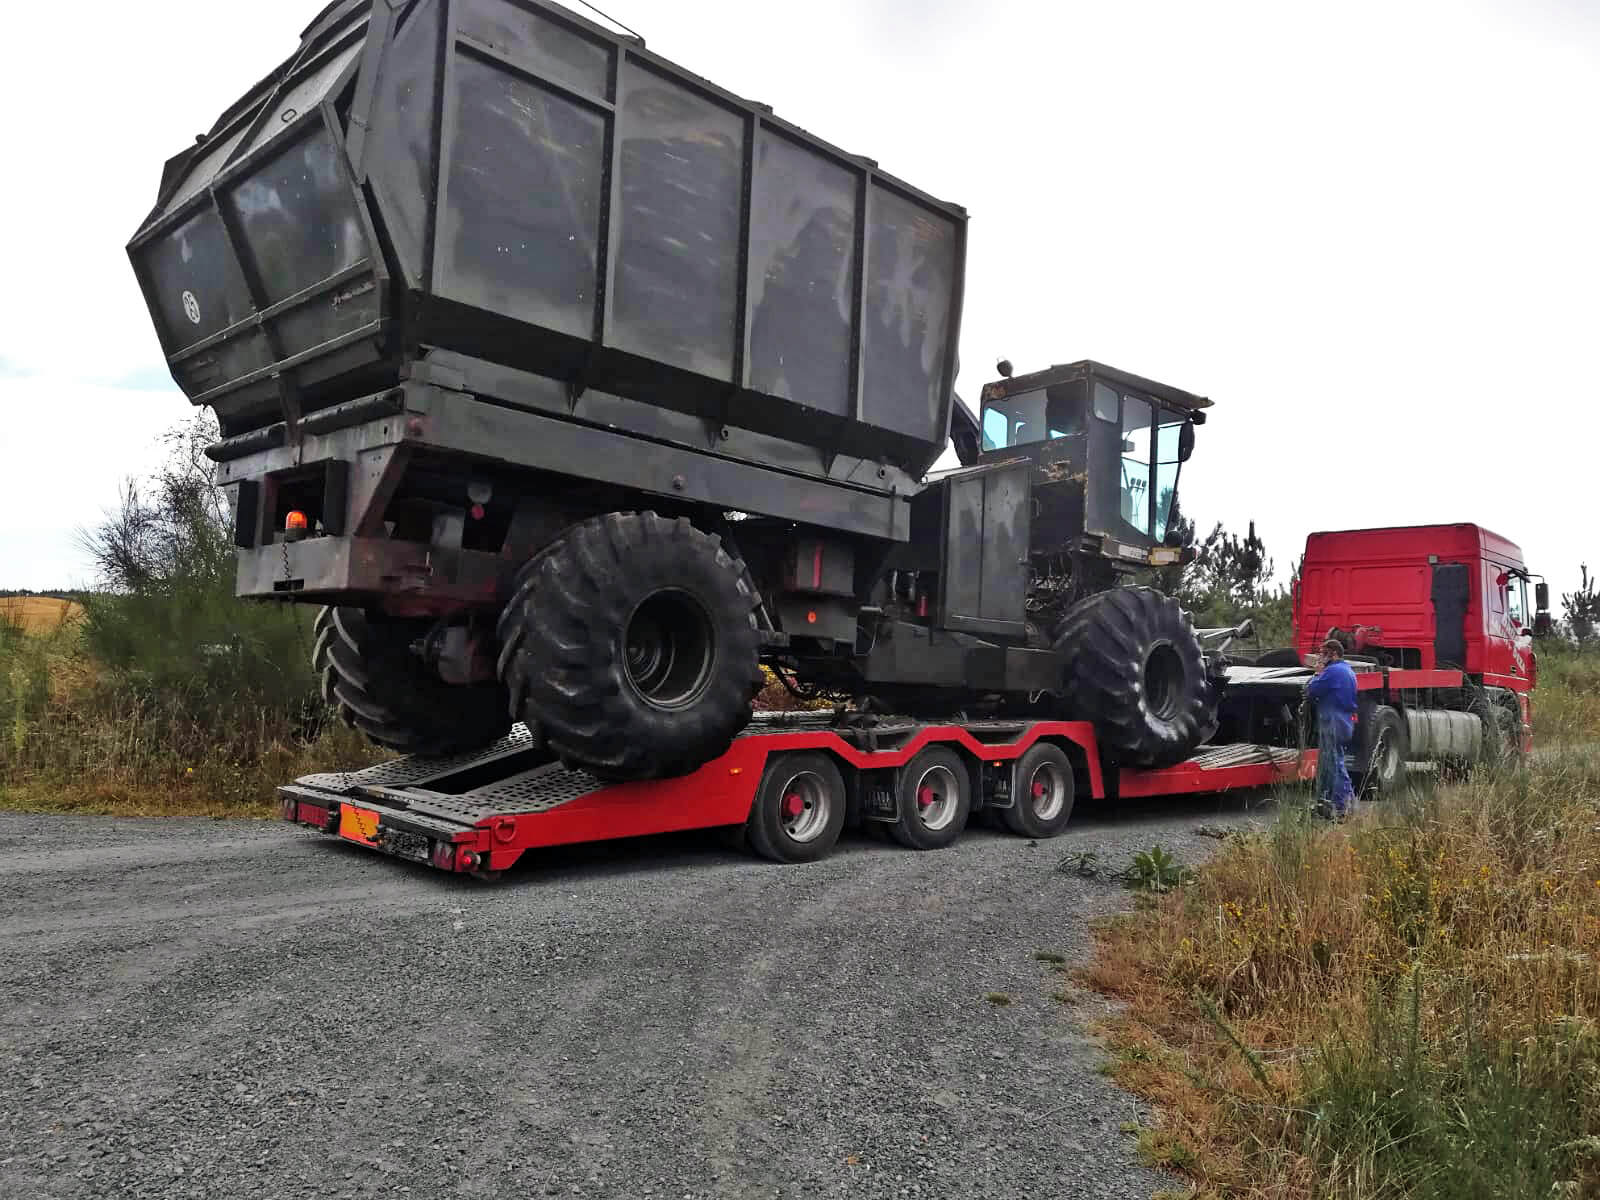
1032, 417
1136, 463
1168, 436
1517, 601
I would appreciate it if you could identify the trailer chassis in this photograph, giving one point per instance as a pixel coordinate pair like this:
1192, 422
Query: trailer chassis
480, 813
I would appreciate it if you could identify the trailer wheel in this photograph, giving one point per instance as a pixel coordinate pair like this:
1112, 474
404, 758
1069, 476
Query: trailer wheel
1134, 667
1041, 793
632, 644
933, 793
799, 809
377, 685
1388, 750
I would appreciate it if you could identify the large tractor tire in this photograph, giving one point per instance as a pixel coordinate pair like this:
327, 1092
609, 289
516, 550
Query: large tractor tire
1133, 666
375, 682
631, 643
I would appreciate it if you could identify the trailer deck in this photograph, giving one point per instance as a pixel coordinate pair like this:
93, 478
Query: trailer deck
478, 814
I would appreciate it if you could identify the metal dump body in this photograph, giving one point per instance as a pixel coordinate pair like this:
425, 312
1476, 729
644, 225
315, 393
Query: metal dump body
502, 179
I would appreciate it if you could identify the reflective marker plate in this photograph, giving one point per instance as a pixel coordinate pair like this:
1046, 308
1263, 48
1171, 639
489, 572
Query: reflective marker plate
358, 824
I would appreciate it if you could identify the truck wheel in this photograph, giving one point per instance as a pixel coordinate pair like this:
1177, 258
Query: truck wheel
374, 681
633, 646
1388, 750
1133, 666
799, 809
1041, 793
1502, 745
933, 793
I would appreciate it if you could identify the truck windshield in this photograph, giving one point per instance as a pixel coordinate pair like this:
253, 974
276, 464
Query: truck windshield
1032, 417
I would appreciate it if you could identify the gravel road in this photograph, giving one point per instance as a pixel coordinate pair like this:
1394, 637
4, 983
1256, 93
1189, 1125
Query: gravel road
224, 1008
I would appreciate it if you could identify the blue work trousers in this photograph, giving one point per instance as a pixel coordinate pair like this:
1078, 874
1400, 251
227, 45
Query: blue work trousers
1334, 731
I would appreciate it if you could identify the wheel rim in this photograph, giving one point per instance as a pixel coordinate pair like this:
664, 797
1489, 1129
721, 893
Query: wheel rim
807, 806
1389, 772
1047, 791
938, 796
669, 650
1163, 680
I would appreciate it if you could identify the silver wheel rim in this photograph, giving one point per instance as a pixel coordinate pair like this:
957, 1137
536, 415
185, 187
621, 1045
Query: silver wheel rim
1047, 791
806, 806
1389, 767
937, 797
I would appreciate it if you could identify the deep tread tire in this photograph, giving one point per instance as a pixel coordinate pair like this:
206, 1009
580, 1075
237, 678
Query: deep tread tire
377, 685
564, 657
1043, 816
1134, 667
948, 770
769, 827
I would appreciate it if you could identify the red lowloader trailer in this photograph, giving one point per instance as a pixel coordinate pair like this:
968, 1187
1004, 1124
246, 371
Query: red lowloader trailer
792, 782
1435, 620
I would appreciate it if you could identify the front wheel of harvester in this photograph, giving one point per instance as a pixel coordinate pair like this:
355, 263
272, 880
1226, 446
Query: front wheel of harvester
632, 644
1041, 793
378, 685
933, 794
1133, 666
1388, 750
799, 809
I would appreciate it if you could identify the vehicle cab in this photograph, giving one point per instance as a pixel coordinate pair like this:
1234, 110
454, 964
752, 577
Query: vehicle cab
1108, 448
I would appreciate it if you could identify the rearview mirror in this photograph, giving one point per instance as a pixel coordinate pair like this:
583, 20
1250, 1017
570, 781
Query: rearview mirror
1186, 441
1541, 596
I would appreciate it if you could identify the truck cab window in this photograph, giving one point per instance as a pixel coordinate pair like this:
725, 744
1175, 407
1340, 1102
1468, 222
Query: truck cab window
1517, 601
1136, 463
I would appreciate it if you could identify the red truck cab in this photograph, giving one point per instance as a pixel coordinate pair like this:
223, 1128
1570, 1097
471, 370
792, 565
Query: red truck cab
1422, 597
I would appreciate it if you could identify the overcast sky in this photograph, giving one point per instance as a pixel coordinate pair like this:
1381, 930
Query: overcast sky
1370, 232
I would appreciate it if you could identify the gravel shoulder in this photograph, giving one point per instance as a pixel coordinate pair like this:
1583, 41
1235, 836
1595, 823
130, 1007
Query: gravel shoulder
217, 1008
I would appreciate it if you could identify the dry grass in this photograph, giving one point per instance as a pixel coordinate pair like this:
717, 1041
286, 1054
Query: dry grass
39, 615
73, 740
1405, 1007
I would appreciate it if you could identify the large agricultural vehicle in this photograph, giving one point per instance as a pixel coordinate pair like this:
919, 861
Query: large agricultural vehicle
573, 388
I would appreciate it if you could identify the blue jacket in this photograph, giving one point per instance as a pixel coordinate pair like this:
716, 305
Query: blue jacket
1334, 690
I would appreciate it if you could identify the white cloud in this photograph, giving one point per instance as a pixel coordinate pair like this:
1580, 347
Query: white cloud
1367, 232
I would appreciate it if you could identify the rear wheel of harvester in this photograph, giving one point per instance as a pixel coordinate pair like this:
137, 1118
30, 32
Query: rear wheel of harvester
799, 809
1134, 667
371, 676
933, 794
1041, 793
631, 643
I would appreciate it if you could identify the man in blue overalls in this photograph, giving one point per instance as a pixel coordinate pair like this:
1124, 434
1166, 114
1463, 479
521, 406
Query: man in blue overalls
1334, 693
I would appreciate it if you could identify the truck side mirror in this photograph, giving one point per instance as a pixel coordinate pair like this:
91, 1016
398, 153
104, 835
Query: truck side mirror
1543, 626
1541, 596
1186, 442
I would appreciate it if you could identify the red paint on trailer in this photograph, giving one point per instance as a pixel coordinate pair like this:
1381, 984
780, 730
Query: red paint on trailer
721, 792
1187, 778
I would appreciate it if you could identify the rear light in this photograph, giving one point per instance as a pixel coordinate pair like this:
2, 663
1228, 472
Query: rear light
290, 810
444, 856
296, 526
